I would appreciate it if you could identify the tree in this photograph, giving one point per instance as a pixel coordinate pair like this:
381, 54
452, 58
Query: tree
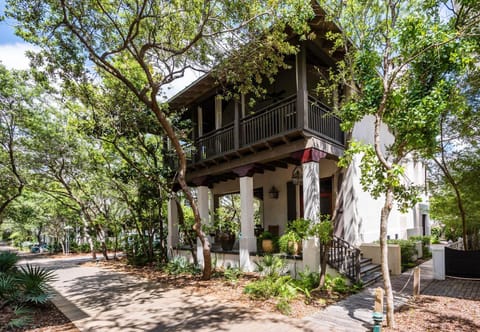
398, 57
459, 135
147, 44
17, 99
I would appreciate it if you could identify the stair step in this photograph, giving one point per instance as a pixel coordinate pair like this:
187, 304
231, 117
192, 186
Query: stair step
365, 261
371, 278
369, 268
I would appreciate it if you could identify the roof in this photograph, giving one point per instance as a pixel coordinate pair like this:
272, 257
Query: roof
207, 82
192, 92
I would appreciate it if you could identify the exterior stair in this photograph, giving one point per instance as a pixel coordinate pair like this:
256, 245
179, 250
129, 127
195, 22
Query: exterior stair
347, 259
369, 272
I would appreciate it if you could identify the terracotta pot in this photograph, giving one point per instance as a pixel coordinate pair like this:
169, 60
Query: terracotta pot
295, 247
267, 245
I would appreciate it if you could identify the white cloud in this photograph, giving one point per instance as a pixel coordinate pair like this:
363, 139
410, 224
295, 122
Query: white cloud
13, 56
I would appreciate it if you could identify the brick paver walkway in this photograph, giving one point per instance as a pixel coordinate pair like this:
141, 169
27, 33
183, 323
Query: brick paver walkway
455, 288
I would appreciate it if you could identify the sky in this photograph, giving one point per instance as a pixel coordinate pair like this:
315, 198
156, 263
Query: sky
13, 48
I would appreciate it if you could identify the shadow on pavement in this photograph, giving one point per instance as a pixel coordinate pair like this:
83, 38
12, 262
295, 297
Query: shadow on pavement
118, 301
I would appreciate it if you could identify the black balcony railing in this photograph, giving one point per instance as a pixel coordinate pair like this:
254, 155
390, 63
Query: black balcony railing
272, 121
215, 143
323, 122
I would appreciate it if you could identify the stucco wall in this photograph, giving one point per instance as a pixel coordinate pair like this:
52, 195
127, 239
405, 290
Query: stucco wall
372, 250
361, 211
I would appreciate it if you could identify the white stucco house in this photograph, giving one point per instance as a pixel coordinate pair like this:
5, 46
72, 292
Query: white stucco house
288, 143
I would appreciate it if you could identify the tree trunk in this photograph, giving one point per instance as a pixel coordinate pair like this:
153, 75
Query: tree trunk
325, 248
182, 167
88, 235
442, 164
387, 207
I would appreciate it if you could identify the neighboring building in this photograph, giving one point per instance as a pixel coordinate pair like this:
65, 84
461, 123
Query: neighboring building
283, 151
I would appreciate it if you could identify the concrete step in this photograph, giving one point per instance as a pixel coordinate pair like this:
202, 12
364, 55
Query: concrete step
365, 261
371, 278
369, 268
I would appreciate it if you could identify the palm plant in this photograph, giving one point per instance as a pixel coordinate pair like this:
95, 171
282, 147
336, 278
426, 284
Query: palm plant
8, 261
33, 284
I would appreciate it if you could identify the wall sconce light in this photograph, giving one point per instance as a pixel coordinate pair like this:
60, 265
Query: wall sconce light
273, 193
297, 175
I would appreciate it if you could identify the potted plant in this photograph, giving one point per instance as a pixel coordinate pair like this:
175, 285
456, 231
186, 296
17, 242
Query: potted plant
227, 229
267, 241
289, 243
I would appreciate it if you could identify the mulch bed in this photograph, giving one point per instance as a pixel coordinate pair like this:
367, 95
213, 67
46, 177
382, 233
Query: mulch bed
438, 313
45, 318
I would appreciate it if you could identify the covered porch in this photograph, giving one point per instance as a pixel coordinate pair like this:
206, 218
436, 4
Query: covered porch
298, 184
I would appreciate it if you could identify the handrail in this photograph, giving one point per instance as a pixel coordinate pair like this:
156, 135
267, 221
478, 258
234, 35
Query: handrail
458, 245
345, 258
323, 121
269, 107
323, 105
214, 132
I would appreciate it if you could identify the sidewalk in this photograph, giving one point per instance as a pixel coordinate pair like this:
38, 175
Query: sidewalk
96, 299
100, 300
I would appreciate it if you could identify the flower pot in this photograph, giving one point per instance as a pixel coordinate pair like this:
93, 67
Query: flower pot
267, 245
227, 241
295, 247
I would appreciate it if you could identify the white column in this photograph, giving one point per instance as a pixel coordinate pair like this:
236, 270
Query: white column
311, 191
311, 208
438, 257
202, 196
172, 236
248, 242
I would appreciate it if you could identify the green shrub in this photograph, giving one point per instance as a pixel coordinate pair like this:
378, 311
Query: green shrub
300, 227
180, 265
232, 275
271, 266
22, 317
8, 261
337, 284
408, 249
426, 240
281, 288
307, 281
288, 241
8, 287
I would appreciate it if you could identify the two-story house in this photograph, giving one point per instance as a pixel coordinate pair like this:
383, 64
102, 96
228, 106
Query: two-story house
283, 152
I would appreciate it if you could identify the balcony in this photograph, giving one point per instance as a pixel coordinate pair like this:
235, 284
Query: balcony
274, 122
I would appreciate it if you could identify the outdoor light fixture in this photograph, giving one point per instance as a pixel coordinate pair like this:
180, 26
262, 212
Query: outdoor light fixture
297, 175
273, 193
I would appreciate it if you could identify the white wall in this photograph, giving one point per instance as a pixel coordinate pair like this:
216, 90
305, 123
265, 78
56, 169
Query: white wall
361, 211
